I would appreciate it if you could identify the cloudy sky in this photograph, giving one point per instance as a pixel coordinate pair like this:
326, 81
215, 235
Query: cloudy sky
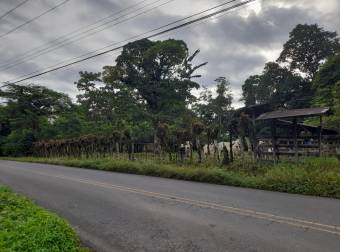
236, 44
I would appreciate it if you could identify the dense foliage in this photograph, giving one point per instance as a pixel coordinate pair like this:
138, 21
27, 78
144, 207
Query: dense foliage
279, 87
27, 227
327, 89
146, 97
312, 176
307, 47
306, 74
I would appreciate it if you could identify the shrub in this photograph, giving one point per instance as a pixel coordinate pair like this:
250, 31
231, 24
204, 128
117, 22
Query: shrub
312, 176
17, 143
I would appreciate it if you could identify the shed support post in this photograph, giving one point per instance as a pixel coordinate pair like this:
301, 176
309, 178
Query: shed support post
320, 135
274, 146
296, 153
253, 133
231, 145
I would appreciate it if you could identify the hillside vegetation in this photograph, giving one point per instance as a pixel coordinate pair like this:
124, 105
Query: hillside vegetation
312, 176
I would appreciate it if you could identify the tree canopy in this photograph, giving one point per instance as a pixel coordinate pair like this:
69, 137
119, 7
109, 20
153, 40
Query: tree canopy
287, 83
277, 86
307, 47
149, 85
147, 95
161, 72
327, 89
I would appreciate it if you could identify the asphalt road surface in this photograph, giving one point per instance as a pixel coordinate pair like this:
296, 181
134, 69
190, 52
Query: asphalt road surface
124, 212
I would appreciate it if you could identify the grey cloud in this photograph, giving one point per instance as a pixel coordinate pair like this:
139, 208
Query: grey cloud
234, 46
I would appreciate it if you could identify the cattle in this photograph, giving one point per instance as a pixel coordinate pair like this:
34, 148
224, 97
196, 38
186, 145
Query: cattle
217, 147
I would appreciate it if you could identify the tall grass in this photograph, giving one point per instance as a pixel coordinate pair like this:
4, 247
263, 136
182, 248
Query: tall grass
27, 227
311, 176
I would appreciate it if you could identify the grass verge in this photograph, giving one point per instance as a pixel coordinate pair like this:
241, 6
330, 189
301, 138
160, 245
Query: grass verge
312, 176
27, 227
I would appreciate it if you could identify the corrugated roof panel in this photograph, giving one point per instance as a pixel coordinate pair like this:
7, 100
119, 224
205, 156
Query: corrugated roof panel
293, 113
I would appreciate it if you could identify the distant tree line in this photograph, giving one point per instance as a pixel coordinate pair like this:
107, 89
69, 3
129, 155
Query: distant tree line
146, 97
306, 74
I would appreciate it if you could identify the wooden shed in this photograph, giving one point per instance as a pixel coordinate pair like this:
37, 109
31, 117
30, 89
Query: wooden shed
299, 139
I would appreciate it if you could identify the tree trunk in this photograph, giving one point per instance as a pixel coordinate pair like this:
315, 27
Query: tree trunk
132, 151
199, 151
190, 144
117, 150
225, 160
157, 146
243, 144
231, 146
216, 154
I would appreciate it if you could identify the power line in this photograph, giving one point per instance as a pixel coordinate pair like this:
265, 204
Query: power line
203, 21
33, 19
133, 37
136, 36
13, 9
148, 37
29, 52
69, 40
116, 52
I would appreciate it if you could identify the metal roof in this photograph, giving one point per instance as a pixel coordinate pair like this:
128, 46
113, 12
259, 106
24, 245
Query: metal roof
258, 109
306, 112
313, 129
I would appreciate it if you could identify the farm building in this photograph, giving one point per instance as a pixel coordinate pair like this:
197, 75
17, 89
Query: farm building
288, 136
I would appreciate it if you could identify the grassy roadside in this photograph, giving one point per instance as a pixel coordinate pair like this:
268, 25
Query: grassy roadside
27, 227
313, 176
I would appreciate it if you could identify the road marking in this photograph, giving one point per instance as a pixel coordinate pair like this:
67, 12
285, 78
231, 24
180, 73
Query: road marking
240, 211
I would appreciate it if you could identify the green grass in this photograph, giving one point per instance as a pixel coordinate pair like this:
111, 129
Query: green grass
27, 227
312, 176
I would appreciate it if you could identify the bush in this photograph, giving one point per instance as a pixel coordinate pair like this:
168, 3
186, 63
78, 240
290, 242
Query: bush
312, 176
27, 227
17, 143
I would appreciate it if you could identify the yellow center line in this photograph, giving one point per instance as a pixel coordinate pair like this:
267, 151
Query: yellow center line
240, 211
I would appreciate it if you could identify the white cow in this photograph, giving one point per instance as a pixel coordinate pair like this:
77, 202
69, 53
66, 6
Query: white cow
218, 147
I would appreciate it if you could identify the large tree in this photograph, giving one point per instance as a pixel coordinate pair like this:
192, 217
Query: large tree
249, 90
215, 112
327, 89
26, 108
222, 102
326, 80
161, 72
279, 87
203, 106
308, 46
286, 89
212, 109
26, 104
104, 98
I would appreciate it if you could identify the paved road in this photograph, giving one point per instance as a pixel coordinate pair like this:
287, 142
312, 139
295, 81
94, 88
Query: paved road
123, 212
